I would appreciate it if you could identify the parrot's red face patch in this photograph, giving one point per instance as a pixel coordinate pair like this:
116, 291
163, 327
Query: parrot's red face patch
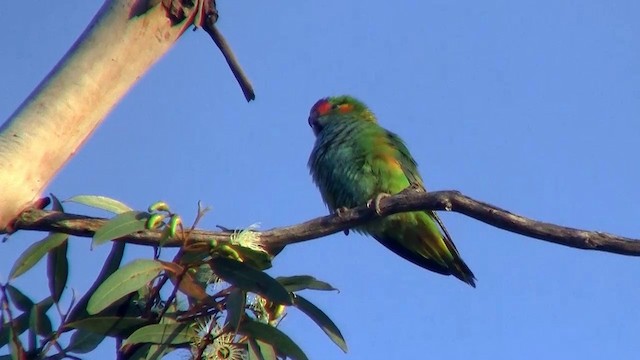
322, 107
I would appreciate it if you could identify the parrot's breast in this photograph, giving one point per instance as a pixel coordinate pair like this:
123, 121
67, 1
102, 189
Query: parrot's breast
345, 163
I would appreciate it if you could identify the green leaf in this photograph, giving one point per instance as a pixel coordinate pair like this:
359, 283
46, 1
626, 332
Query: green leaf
320, 318
56, 205
193, 257
250, 279
34, 253
124, 281
18, 299
162, 334
151, 352
109, 325
58, 270
260, 350
301, 282
101, 202
84, 341
235, 303
19, 325
273, 336
16, 348
111, 264
257, 259
121, 225
145, 351
39, 321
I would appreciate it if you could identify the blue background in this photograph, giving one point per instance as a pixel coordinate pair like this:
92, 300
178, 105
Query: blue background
532, 106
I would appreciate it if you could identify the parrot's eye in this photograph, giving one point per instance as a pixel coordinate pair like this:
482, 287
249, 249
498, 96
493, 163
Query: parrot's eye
335, 107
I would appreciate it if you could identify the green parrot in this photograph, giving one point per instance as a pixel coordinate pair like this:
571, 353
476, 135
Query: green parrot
355, 161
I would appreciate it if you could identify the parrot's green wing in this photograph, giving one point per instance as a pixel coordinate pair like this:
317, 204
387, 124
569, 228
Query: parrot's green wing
410, 169
408, 164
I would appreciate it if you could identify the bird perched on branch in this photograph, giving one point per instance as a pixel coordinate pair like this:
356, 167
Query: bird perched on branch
355, 161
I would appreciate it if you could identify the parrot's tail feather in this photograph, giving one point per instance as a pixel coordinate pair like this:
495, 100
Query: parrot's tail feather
439, 256
463, 272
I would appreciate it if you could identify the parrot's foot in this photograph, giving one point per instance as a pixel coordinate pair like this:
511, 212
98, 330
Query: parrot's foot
340, 212
375, 202
414, 187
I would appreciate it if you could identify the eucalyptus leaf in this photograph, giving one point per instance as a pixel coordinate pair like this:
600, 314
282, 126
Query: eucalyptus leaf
39, 321
271, 335
19, 325
320, 318
110, 265
250, 279
124, 281
100, 202
260, 350
121, 225
258, 259
58, 270
109, 325
34, 253
56, 205
162, 334
235, 304
84, 341
301, 282
18, 299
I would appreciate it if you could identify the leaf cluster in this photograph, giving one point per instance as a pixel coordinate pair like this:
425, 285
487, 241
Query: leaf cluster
213, 299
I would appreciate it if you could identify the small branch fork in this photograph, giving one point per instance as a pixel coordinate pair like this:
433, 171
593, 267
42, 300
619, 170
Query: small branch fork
408, 200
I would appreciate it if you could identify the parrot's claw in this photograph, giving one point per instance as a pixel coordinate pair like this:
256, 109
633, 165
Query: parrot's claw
412, 188
375, 202
340, 212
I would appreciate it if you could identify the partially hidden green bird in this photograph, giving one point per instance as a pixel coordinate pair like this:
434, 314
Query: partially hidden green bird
354, 160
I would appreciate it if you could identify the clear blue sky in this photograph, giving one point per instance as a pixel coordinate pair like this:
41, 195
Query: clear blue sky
532, 106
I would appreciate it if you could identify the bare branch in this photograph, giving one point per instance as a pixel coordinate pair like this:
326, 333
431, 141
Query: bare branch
408, 200
232, 61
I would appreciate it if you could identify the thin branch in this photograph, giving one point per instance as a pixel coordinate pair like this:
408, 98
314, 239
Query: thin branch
408, 200
207, 16
232, 61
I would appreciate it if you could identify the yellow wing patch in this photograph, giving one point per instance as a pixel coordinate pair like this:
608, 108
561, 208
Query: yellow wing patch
385, 152
391, 162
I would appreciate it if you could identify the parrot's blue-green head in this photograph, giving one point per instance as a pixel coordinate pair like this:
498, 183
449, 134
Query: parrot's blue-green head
336, 108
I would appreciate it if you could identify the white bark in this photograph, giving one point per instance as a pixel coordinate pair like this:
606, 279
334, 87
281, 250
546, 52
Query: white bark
114, 51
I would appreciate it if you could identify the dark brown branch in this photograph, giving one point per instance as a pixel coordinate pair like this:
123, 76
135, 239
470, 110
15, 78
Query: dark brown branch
409, 200
232, 61
209, 18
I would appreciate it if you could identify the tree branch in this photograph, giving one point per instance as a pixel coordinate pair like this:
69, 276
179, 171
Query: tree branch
408, 200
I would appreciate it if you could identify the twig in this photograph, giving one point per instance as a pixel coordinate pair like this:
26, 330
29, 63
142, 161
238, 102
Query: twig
229, 56
208, 18
411, 200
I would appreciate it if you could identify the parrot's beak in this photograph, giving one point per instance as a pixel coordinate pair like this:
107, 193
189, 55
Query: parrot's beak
313, 122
